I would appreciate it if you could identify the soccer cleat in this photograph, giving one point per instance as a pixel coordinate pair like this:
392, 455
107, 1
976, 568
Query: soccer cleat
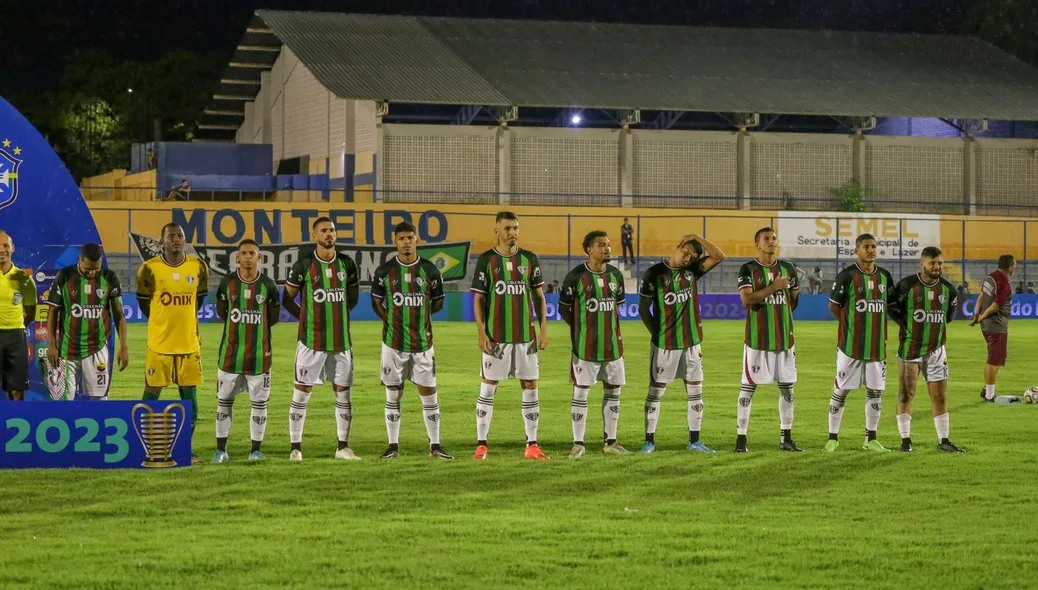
480, 454
576, 452
698, 447
984, 395
347, 454
196, 460
647, 448
390, 453
220, 457
906, 445
257, 456
534, 452
831, 445
791, 446
439, 453
874, 445
296, 455
740, 446
948, 447
615, 449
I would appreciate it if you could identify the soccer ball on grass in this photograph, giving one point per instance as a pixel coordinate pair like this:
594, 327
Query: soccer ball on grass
1031, 395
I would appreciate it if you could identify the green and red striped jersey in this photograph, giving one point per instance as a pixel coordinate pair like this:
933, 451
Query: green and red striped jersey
673, 294
594, 297
324, 312
923, 310
769, 323
507, 282
408, 291
87, 309
863, 298
245, 347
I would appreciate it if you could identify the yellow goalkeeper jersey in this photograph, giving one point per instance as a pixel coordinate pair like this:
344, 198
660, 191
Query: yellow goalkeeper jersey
174, 292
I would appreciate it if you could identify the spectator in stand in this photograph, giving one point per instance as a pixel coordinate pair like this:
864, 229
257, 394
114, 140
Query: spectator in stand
627, 240
549, 288
180, 193
964, 294
814, 281
151, 160
1020, 288
1030, 287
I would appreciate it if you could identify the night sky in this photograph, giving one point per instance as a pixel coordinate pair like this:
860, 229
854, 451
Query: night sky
34, 42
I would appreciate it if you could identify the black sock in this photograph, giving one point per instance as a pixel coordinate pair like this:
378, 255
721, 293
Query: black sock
530, 443
610, 441
870, 435
693, 436
435, 447
740, 440
483, 443
256, 445
343, 444
786, 435
650, 437
221, 444
834, 436
393, 447
297, 446
578, 442
945, 441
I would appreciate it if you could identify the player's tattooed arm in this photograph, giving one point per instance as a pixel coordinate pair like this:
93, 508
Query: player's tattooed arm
288, 300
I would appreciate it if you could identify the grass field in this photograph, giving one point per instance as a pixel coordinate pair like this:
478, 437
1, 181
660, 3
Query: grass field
767, 519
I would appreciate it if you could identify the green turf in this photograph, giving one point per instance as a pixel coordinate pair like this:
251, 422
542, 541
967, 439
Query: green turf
813, 520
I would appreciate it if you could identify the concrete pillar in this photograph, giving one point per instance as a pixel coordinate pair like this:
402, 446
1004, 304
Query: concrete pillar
742, 169
377, 197
626, 167
504, 165
263, 104
969, 175
858, 154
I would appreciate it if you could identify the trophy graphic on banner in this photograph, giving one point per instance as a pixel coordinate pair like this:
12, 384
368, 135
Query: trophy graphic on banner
158, 432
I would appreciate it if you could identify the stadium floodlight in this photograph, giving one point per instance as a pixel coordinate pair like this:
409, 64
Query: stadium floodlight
575, 119
129, 90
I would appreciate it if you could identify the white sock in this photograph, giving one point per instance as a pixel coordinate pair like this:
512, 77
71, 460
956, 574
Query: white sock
297, 415
484, 409
578, 413
431, 411
610, 412
942, 426
694, 395
836, 404
989, 392
652, 408
393, 414
343, 415
224, 410
904, 425
531, 414
258, 424
745, 405
785, 406
873, 408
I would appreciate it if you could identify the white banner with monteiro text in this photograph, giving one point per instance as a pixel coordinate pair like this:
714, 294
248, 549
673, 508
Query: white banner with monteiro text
822, 234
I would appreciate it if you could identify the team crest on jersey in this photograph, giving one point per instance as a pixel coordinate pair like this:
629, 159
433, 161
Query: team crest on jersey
941, 298
688, 276
342, 276
151, 371
882, 288
420, 281
100, 293
190, 280
612, 286
260, 299
522, 270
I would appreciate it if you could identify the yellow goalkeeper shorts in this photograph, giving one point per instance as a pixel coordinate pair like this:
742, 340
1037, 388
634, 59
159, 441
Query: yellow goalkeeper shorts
162, 370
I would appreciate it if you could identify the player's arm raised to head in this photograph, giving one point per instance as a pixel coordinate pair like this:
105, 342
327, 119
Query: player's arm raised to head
714, 255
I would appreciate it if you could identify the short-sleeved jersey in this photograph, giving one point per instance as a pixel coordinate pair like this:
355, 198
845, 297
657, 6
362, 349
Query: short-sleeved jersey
507, 282
245, 347
408, 291
174, 293
17, 290
923, 310
769, 323
86, 309
594, 297
996, 289
863, 298
324, 311
675, 300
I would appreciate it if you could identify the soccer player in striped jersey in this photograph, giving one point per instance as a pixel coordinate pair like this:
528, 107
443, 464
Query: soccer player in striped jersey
923, 304
406, 290
507, 285
670, 310
249, 304
328, 285
859, 301
170, 290
770, 290
590, 295
85, 300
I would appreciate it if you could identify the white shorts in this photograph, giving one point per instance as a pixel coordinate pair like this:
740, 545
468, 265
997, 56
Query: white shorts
933, 367
760, 367
586, 373
314, 366
417, 367
229, 385
667, 365
852, 373
517, 360
95, 372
